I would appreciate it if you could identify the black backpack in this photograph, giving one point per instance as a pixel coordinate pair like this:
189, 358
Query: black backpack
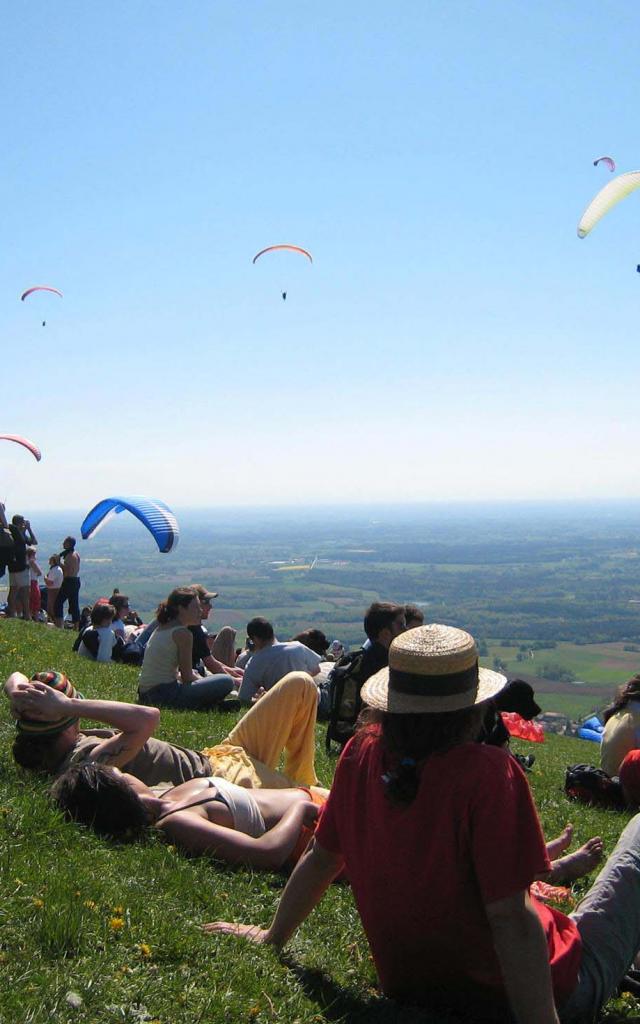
345, 682
590, 785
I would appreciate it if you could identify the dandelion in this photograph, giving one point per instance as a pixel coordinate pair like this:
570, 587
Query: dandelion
89, 904
145, 950
38, 903
171, 848
118, 910
116, 924
77, 893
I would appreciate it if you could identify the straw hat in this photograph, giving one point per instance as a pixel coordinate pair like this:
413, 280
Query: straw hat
431, 669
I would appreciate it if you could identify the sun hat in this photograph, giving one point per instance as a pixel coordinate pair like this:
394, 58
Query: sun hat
431, 669
34, 727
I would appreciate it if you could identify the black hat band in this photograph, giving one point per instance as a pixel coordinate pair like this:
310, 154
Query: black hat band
434, 686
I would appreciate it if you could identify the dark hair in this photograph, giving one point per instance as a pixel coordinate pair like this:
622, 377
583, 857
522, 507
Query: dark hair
94, 795
118, 601
314, 639
101, 612
379, 616
179, 598
625, 693
411, 612
408, 740
37, 753
260, 629
17, 519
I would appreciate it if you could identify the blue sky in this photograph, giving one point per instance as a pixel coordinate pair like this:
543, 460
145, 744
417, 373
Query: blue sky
453, 338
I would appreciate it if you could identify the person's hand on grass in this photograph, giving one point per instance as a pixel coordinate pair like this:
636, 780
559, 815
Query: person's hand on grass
250, 932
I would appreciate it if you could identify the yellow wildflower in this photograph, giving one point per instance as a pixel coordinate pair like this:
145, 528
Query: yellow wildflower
38, 903
116, 924
118, 910
89, 904
145, 950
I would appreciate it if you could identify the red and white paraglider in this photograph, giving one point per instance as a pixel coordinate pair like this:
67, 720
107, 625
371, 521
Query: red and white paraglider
287, 248
41, 288
29, 445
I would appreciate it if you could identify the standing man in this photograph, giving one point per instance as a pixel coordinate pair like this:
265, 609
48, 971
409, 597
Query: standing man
272, 660
19, 576
70, 588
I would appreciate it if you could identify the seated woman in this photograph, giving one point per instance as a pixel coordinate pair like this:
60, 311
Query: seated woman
167, 678
446, 906
621, 727
262, 828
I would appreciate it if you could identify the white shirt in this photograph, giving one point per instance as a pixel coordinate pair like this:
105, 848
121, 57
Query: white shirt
267, 666
55, 576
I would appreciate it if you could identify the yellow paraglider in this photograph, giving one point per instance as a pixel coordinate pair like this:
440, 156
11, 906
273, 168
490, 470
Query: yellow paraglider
606, 199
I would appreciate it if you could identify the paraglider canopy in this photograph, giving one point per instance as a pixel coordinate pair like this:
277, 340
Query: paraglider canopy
155, 515
276, 248
606, 199
611, 164
40, 288
29, 445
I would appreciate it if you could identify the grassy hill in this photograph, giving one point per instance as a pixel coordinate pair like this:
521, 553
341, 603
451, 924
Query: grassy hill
119, 926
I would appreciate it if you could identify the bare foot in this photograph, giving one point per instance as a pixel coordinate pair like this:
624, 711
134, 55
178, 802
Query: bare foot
575, 865
556, 847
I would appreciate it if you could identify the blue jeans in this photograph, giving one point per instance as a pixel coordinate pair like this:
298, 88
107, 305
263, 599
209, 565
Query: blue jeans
198, 696
608, 919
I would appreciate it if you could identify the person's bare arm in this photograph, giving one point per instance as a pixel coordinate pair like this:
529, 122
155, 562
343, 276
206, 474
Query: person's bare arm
311, 878
29, 535
135, 722
268, 852
215, 667
3, 516
183, 640
519, 940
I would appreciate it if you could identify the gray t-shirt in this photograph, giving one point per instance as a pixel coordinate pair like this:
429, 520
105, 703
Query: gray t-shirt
269, 665
156, 762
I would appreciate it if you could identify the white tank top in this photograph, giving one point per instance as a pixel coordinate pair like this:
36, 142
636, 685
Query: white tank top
160, 663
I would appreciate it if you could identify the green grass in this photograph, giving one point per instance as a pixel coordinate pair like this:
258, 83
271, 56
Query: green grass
119, 926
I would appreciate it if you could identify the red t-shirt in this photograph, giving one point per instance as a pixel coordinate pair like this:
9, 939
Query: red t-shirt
422, 874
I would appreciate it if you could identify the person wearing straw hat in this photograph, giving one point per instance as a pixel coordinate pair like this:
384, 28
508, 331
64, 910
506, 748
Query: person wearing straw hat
440, 840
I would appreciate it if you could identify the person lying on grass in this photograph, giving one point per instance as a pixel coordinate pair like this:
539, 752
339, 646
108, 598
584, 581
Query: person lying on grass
441, 843
262, 828
49, 739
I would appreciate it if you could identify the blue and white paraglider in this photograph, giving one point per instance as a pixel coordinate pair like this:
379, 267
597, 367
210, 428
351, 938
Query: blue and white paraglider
155, 515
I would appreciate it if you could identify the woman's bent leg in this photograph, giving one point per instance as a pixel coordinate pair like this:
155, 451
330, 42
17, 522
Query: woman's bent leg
608, 919
283, 720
